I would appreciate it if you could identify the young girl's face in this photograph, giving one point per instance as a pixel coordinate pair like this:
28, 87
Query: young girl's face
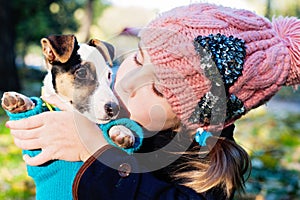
136, 87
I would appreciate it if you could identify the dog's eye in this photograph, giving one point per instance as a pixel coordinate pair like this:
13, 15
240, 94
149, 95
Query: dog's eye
81, 73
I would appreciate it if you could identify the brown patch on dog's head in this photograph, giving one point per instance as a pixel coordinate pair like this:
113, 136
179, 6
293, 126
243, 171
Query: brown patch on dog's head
65, 86
106, 49
58, 48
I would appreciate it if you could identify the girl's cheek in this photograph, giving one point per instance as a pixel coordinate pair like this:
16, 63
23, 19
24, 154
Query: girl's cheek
152, 117
138, 112
158, 118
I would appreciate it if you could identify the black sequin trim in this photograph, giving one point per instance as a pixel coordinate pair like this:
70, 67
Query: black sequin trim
222, 60
228, 54
235, 108
210, 110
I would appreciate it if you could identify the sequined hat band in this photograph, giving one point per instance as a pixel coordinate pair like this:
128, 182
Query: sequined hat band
222, 60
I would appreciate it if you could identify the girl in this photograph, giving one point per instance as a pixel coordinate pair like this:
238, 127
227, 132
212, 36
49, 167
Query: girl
198, 69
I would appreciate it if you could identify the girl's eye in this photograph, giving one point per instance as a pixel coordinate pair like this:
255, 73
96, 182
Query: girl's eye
158, 93
136, 60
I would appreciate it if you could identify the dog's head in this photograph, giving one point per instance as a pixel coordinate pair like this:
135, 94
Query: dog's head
80, 75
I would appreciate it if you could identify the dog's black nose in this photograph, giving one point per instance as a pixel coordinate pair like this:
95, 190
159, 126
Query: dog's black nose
112, 109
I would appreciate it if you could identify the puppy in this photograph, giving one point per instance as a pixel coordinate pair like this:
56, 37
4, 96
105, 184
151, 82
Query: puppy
79, 74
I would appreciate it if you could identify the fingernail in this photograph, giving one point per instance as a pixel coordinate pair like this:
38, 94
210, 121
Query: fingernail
25, 157
7, 124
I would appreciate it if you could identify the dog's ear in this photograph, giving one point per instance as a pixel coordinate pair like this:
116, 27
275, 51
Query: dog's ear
107, 50
58, 47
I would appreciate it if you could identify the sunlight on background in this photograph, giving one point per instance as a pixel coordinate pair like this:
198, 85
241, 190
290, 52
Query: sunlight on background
137, 13
163, 5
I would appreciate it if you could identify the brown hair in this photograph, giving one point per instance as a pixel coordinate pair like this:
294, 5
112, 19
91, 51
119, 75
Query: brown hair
225, 165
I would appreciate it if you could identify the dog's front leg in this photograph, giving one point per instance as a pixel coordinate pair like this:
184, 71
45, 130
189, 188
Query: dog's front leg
121, 136
15, 102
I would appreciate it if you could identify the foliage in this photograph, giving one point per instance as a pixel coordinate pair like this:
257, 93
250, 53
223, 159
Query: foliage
98, 8
273, 142
36, 20
286, 8
274, 184
289, 93
14, 182
270, 8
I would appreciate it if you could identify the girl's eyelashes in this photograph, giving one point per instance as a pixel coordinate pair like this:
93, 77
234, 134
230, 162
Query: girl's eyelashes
158, 93
136, 60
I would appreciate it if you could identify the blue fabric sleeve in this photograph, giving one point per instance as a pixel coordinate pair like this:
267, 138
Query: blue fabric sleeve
53, 179
130, 124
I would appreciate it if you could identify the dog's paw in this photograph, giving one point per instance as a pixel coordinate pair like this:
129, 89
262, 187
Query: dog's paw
121, 136
15, 102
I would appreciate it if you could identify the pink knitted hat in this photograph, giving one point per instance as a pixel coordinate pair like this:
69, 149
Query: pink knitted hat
264, 56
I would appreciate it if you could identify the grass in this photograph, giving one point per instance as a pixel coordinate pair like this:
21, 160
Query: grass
273, 142
14, 181
15, 184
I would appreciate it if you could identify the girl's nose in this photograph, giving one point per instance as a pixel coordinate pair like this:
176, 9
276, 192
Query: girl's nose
136, 79
126, 86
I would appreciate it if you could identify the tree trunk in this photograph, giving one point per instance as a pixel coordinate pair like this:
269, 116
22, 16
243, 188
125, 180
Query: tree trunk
88, 20
268, 9
9, 79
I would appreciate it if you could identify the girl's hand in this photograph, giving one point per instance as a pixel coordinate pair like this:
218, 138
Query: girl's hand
64, 135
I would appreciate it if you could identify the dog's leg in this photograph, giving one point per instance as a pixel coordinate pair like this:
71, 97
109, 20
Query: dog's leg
15, 102
121, 136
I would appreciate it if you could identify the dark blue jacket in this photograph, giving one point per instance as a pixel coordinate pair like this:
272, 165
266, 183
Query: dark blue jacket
109, 174
97, 180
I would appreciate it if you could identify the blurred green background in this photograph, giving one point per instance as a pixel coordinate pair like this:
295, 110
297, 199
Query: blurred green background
270, 134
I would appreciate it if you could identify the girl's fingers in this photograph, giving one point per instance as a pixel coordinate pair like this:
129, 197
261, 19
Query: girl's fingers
26, 134
39, 159
27, 144
58, 102
28, 123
